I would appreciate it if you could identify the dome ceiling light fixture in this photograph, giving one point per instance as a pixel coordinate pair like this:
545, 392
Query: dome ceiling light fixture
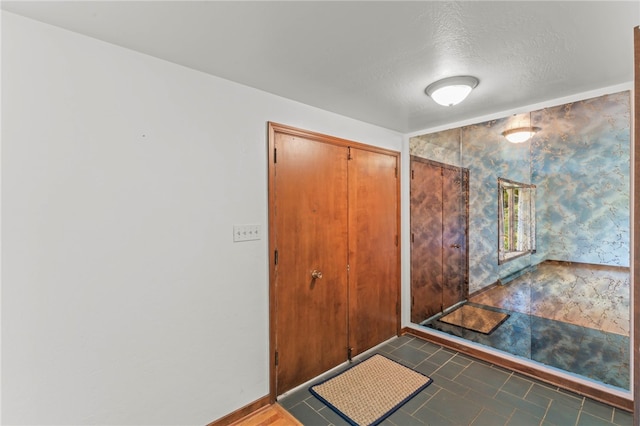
451, 90
521, 134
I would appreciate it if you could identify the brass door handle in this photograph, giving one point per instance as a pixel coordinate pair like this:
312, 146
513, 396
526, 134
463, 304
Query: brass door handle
455, 245
315, 274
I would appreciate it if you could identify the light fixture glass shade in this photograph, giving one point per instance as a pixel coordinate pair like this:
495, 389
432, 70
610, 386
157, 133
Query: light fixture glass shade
520, 134
451, 91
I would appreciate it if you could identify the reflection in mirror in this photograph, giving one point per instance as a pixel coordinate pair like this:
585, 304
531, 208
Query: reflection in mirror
516, 219
439, 257
560, 294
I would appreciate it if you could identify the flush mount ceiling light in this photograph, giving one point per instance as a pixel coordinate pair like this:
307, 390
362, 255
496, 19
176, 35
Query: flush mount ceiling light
520, 134
452, 90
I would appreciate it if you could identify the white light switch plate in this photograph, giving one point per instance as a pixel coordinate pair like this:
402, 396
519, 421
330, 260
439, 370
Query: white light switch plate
246, 232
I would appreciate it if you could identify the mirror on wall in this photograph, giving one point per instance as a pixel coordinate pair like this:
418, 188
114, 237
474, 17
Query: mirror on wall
558, 291
516, 219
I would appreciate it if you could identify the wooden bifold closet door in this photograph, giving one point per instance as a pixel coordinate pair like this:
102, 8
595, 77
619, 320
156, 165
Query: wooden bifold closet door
334, 273
373, 249
439, 222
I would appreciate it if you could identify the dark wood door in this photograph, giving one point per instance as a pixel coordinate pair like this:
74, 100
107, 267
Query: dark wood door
373, 249
311, 235
439, 253
426, 241
455, 188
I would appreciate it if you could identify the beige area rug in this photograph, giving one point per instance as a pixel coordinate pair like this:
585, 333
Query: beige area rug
370, 391
475, 319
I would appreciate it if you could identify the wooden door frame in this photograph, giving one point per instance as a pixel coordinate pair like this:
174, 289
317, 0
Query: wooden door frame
635, 236
274, 128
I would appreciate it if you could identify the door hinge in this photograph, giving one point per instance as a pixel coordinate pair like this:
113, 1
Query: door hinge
348, 153
396, 241
412, 238
349, 351
276, 358
397, 308
275, 257
412, 174
396, 172
275, 155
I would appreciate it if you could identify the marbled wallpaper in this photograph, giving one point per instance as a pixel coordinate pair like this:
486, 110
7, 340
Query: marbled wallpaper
443, 147
579, 162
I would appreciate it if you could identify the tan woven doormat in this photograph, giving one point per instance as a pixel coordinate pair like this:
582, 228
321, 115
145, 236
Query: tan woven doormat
371, 390
475, 319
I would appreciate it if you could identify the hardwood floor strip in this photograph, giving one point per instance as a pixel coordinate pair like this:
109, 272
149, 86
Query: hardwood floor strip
242, 413
273, 415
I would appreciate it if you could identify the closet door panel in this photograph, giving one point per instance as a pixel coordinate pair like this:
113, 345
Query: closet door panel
334, 253
439, 222
426, 241
454, 249
311, 235
373, 249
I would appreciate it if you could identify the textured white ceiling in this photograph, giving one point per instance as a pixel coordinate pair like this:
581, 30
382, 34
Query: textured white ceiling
372, 60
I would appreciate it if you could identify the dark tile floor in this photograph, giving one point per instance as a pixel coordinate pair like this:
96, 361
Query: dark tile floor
591, 353
466, 391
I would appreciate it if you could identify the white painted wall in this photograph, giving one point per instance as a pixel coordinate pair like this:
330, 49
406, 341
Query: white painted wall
124, 299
